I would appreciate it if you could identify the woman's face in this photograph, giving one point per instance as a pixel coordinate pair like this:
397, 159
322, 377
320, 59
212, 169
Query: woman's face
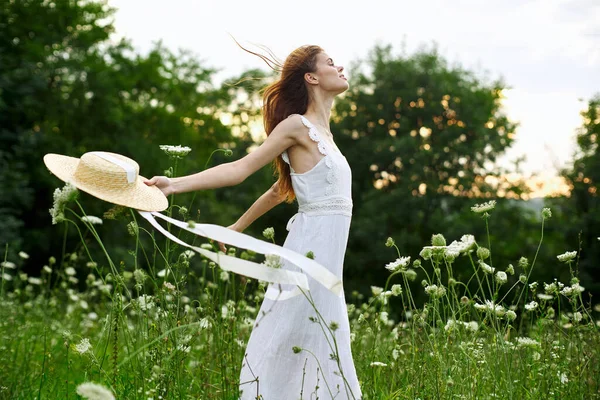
329, 76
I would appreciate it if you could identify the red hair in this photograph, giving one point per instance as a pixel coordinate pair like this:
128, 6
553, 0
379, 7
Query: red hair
286, 96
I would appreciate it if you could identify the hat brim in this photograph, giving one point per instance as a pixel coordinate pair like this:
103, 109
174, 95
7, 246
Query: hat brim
139, 195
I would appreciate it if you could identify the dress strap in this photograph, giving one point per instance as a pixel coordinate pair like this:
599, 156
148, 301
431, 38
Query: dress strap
313, 133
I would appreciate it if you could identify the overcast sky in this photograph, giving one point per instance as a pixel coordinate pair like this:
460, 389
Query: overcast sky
547, 51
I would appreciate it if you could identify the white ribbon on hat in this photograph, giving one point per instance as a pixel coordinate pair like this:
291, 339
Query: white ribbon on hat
225, 235
129, 169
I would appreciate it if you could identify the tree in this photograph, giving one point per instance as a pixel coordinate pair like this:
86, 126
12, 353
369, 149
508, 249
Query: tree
421, 137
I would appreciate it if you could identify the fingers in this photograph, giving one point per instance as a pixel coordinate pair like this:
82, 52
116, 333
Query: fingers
222, 247
151, 182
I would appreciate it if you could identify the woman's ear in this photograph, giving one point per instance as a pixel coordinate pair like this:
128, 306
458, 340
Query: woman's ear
311, 78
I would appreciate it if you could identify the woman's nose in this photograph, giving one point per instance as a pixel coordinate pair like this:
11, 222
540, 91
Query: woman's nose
340, 68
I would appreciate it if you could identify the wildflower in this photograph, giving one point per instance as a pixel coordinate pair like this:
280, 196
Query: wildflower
188, 254
531, 306
566, 257
510, 269
484, 208
483, 253
269, 233
132, 228
527, 342
563, 378
23, 255
523, 278
543, 296
550, 313
6, 277
378, 364
464, 300
438, 240
334, 326
533, 285
576, 288
426, 253
70, 271
183, 211
90, 219
91, 264
139, 276
486, 268
511, 315
224, 276
273, 261
523, 262
400, 263
47, 269
577, 317
206, 246
376, 290
410, 274
145, 302
434, 291
501, 277
396, 290
84, 346
395, 354
473, 326
8, 264
546, 213
389, 242
93, 391
61, 197
175, 151
52, 260
35, 281
169, 286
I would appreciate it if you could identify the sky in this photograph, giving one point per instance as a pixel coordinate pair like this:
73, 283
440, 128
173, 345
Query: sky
546, 51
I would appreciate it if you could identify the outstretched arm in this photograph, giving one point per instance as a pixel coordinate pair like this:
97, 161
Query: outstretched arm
281, 138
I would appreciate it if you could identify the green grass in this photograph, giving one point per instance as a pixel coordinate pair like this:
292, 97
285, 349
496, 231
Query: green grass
177, 328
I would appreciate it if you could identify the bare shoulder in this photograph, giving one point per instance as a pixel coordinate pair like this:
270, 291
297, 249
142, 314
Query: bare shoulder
291, 126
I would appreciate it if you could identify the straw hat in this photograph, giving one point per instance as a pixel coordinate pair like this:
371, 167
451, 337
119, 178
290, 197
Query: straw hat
110, 177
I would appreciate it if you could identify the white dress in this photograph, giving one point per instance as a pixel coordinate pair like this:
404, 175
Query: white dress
321, 226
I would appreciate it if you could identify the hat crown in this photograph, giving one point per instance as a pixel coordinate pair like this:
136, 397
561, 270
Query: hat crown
99, 167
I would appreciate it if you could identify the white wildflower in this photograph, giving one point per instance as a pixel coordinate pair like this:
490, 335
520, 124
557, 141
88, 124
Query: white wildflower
23, 255
378, 364
376, 290
550, 288
544, 296
269, 233
90, 219
473, 326
577, 317
396, 290
34, 281
139, 275
576, 288
563, 378
531, 306
206, 246
188, 254
400, 263
84, 346
533, 285
486, 268
70, 271
175, 151
94, 391
7, 277
511, 315
145, 302
410, 274
434, 291
61, 197
501, 277
527, 342
169, 286
8, 264
484, 207
566, 257
224, 276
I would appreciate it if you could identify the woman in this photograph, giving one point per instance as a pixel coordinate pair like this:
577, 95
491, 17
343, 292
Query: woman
297, 109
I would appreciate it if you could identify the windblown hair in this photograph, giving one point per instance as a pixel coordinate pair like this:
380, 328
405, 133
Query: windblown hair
286, 96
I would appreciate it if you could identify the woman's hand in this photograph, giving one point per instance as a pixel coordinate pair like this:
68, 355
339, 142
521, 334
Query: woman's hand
163, 183
234, 228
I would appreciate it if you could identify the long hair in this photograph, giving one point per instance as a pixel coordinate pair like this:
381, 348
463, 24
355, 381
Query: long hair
286, 96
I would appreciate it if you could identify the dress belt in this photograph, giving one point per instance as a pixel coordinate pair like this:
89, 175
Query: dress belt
332, 205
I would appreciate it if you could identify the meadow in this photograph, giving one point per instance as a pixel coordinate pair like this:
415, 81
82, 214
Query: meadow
167, 323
